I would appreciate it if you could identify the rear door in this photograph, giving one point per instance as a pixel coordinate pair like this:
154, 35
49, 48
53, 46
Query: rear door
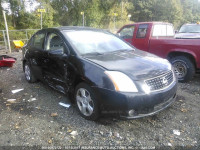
127, 32
56, 61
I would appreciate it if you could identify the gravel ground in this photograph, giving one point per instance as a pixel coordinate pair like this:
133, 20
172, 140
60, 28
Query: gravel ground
43, 122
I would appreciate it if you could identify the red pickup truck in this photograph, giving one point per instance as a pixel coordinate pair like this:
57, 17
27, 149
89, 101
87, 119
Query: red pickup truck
158, 38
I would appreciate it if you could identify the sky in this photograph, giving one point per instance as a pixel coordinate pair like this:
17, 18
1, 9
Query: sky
31, 6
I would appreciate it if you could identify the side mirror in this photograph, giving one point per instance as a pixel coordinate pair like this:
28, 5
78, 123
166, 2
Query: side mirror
118, 34
56, 52
176, 31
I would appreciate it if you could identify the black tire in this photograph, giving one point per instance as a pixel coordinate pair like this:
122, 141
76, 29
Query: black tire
31, 78
180, 63
93, 103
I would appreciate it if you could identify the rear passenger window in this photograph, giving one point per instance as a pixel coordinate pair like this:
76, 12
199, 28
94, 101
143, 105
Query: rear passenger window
38, 40
142, 31
163, 30
54, 44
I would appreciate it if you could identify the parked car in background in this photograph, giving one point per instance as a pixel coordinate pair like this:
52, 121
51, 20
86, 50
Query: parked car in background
189, 31
158, 38
100, 71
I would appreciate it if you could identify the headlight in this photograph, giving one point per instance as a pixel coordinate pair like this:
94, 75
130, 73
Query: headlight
121, 81
169, 65
146, 88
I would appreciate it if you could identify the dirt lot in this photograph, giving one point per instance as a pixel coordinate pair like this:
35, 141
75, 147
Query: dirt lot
30, 122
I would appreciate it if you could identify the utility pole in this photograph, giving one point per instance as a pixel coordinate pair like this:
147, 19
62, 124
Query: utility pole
122, 8
41, 11
41, 20
4, 38
115, 15
83, 20
129, 16
82, 13
6, 25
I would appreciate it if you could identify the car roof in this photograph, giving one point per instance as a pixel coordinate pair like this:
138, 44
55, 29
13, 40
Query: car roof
73, 28
76, 28
190, 24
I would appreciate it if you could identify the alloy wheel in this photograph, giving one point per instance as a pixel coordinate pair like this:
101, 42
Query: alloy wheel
27, 72
84, 102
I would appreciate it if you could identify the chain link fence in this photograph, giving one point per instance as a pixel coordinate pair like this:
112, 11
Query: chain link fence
24, 35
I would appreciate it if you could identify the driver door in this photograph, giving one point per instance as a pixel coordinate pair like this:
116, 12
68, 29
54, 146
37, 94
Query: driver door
127, 32
55, 62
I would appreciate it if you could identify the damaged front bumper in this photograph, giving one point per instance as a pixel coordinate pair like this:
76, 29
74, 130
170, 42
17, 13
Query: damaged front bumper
135, 105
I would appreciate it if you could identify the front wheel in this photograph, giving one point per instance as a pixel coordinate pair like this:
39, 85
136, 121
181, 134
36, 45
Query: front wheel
86, 102
183, 67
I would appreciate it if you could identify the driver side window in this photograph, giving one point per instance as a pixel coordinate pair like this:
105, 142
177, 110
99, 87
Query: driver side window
127, 32
38, 41
55, 44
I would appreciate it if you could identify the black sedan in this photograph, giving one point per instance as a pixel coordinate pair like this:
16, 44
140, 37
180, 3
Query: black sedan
101, 72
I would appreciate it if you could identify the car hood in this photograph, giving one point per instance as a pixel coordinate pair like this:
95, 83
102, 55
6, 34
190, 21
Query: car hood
138, 65
187, 35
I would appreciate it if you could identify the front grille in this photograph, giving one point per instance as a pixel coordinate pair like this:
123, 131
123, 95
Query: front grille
160, 82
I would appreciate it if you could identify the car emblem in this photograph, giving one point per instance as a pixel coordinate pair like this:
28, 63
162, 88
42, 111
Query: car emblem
164, 80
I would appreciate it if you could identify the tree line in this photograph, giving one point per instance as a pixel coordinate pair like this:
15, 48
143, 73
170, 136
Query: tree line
107, 14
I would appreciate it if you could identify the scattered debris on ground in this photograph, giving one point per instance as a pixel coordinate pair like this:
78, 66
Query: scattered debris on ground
54, 114
17, 90
11, 100
32, 99
64, 104
36, 117
176, 132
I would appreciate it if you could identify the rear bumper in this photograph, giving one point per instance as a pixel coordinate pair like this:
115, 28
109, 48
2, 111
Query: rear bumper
141, 104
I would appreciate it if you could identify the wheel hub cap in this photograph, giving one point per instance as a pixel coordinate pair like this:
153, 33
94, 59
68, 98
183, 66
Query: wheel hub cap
84, 102
180, 69
27, 72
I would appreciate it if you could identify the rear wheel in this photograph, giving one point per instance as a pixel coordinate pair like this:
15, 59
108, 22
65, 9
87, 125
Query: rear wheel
28, 73
183, 67
86, 102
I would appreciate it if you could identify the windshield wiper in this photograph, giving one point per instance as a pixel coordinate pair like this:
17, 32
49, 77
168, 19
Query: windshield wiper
121, 50
93, 53
188, 32
194, 32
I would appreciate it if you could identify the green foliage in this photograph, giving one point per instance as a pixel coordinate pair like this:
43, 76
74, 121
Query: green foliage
157, 10
1, 16
173, 11
191, 11
94, 14
119, 9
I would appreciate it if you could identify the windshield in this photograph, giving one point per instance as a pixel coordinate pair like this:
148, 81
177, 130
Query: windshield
94, 42
190, 29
